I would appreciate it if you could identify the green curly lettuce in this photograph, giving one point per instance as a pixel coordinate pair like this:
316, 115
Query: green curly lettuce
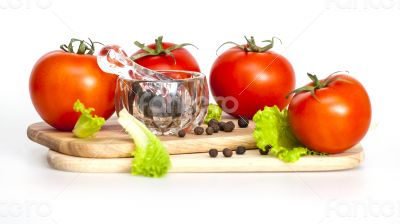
213, 112
87, 124
151, 158
272, 132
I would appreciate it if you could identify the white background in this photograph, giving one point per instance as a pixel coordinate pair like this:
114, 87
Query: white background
320, 36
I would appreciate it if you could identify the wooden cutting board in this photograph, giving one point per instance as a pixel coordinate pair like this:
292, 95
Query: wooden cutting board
251, 161
113, 142
110, 149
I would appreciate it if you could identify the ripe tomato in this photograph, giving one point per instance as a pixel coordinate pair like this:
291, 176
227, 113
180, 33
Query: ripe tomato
336, 119
155, 56
59, 78
243, 81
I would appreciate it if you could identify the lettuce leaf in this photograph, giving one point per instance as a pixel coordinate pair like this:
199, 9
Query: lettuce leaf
87, 124
213, 112
151, 158
272, 131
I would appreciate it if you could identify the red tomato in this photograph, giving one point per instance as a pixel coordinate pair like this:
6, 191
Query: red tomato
334, 121
244, 82
58, 79
162, 61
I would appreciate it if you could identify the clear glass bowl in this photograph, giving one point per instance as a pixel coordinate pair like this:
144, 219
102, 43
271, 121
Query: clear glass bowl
165, 106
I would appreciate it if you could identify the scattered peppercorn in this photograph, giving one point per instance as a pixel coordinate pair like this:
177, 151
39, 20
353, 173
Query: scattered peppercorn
229, 126
198, 130
215, 127
243, 122
212, 121
213, 153
262, 152
266, 151
181, 133
227, 152
209, 130
240, 150
221, 125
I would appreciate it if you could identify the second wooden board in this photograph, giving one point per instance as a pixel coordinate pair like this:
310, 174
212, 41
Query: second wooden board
252, 161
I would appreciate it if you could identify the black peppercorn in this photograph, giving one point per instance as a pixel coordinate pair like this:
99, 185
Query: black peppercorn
266, 151
174, 105
243, 122
212, 121
181, 133
198, 130
158, 106
209, 130
213, 153
267, 148
215, 127
240, 150
227, 152
229, 126
221, 125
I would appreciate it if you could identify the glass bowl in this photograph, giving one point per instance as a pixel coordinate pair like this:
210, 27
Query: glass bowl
165, 106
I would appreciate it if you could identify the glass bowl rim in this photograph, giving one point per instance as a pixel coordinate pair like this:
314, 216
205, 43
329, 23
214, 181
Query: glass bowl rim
197, 76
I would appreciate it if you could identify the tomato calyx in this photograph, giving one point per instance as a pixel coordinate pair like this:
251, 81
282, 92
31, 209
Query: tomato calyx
251, 45
159, 49
84, 47
316, 84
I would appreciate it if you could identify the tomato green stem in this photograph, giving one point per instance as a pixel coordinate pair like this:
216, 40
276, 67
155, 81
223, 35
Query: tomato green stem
316, 84
159, 49
251, 45
83, 48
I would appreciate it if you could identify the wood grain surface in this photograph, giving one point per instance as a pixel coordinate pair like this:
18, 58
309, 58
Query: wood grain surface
113, 142
252, 161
